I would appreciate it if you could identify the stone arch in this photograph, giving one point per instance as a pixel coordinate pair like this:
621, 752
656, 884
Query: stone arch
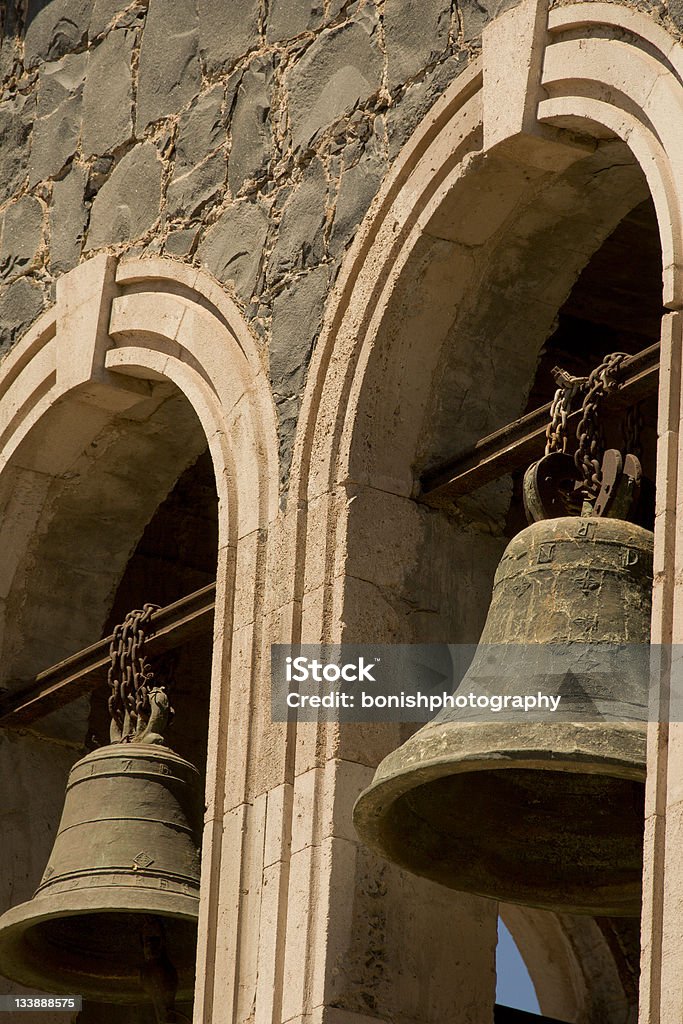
138, 367
475, 137
574, 965
545, 139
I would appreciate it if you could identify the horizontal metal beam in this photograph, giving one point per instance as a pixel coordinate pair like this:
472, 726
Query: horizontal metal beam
518, 444
81, 673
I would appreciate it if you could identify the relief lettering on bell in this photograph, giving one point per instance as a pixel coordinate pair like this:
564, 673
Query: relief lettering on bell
114, 917
546, 813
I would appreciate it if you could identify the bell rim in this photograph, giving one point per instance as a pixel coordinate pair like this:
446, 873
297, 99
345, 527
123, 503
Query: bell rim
518, 752
510, 756
582, 754
16, 921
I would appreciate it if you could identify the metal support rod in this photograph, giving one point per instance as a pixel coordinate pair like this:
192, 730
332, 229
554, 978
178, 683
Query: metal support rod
517, 444
83, 672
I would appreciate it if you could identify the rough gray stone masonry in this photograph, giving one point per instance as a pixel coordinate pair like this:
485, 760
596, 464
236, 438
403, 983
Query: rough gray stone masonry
416, 33
57, 127
127, 205
168, 74
246, 136
22, 236
251, 130
341, 69
290, 18
68, 218
233, 247
108, 110
53, 28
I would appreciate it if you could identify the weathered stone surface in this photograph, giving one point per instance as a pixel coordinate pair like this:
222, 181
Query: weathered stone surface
103, 14
342, 67
55, 140
127, 205
334, 8
10, 42
250, 128
15, 134
297, 316
233, 246
58, 81
188, 193
676, 12
406, 114
100, 169
228, 29
416, 34
359, 186
107, 109
475, 14
19, 306
179, 243
201, 129
169, 74
300, 240
68, 218
289, 18
54, 27
22, 236
57, 128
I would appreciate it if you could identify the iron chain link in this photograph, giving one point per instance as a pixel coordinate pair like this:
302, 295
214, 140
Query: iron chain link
130, 675
560, 409
589, 433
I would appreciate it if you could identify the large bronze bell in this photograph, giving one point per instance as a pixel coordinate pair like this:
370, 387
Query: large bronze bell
546, 813
115, 915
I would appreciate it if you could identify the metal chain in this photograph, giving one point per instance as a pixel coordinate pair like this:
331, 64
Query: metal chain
560, 409
130, 675
589, 433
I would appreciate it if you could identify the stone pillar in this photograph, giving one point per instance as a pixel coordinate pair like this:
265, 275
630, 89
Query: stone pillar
661, 992
367, 942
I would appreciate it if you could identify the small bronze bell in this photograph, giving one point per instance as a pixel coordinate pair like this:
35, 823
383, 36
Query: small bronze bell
115, 916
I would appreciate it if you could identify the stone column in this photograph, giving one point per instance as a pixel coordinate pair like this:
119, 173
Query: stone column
367, 942
661, 992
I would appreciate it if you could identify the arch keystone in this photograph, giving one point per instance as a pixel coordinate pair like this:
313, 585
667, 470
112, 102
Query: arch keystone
514, 50
84, 298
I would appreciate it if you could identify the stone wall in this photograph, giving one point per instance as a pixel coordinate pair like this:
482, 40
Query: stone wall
246, 135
